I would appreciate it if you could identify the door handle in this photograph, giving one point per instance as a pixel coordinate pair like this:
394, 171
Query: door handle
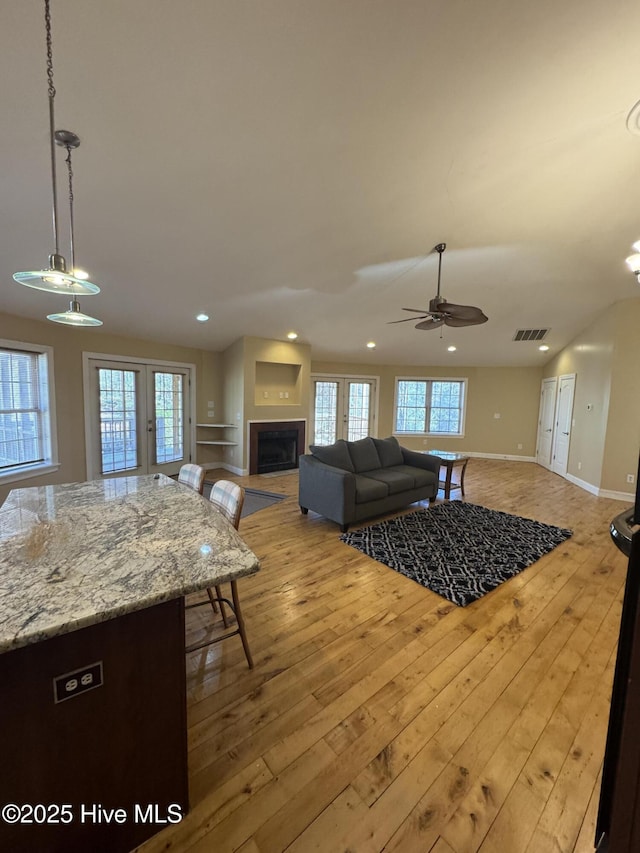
549, 430
565, 433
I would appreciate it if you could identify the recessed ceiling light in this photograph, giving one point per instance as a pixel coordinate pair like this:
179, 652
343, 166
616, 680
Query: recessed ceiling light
543, 347
292, 336
371, 345
202, 318
452, 348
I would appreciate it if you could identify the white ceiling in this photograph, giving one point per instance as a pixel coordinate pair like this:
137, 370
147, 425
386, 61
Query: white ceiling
289, 164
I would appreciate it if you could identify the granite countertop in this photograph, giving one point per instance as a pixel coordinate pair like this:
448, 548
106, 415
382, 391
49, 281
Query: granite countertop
76, 554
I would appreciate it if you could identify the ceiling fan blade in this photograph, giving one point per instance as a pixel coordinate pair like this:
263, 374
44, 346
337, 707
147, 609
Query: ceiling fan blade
431, 323
417, 310
406, 320
476, 320
462, 312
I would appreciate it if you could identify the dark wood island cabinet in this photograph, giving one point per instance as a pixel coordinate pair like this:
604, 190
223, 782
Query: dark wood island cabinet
93, 712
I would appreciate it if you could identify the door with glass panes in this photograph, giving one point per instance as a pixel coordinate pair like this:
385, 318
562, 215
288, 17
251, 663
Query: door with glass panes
139, 418
343, 407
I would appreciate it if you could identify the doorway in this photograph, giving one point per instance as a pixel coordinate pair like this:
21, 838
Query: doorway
342, 407
544, 444
137, 417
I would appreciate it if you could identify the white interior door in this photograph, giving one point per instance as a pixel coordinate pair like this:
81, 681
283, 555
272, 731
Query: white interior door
343, 407
139, 418
563, 424
546, 421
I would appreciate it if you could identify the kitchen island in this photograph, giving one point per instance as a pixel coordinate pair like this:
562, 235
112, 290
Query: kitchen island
93, 713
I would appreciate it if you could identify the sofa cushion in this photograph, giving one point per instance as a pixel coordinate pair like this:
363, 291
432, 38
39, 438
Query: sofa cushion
368, 489
397, 481
334, 454
389, 451
421, 477
364, 455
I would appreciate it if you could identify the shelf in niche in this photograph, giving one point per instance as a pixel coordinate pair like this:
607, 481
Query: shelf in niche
231, 443
221, 426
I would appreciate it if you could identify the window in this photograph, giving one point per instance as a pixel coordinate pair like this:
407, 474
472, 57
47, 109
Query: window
27, 445
430, 406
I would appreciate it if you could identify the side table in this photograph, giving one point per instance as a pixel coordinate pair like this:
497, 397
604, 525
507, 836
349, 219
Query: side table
451, 460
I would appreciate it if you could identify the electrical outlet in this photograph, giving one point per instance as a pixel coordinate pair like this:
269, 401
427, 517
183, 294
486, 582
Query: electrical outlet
496, 415
631, 479
78, 681
210, 413
210, 404
579, 466
519, 446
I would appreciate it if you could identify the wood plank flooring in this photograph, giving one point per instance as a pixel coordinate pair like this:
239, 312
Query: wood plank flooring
381, 717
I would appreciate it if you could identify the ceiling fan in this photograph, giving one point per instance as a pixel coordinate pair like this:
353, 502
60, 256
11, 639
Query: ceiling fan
441, 312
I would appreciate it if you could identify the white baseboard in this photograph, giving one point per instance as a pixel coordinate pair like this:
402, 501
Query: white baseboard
211, 466
588, 487
617, 496
600, 493
233, 469
505, 456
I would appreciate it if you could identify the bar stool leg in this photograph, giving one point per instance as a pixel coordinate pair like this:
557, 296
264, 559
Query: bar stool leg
241, 629
212, 599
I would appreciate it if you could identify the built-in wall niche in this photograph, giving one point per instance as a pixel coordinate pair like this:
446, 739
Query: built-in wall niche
277, 384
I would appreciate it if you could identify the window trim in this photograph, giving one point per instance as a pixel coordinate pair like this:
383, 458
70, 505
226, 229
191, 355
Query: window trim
49, 421
461, 379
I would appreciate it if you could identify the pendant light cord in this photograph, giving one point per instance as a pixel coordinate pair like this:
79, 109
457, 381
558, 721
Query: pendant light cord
71, 240
52, 95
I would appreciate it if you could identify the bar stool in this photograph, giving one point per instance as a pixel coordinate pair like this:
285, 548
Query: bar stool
228, 498
193, 476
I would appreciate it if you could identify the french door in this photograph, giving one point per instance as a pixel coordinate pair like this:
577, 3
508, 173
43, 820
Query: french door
138, 418
343, 407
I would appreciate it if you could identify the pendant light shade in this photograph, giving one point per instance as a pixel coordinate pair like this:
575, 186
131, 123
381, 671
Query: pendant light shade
74, 316
54, 280
58, 278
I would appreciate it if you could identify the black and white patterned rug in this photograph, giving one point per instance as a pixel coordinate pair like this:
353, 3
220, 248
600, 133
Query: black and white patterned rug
459, 550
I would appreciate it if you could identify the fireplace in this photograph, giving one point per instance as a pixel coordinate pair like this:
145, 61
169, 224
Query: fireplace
275, 446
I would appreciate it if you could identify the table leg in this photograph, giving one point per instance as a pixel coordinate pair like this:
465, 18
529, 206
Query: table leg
447, 482
464, 468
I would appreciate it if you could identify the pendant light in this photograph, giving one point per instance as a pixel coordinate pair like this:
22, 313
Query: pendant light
57, 278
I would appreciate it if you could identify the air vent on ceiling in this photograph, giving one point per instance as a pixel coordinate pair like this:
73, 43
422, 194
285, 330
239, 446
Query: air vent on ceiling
530, 334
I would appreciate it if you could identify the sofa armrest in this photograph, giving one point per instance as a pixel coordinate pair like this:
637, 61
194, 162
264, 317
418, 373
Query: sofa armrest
422, 460
327, 490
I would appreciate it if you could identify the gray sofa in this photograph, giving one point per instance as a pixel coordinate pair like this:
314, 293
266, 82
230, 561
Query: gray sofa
352, 480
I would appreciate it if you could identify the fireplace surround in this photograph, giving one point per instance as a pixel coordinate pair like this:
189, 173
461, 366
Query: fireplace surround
275, 445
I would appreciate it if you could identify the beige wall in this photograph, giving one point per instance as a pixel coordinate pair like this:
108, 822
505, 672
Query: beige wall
622, 442
605, 358
511, 392
233, 395
68, 345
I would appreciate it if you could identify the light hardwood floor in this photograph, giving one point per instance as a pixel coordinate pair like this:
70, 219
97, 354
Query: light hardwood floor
381, 717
